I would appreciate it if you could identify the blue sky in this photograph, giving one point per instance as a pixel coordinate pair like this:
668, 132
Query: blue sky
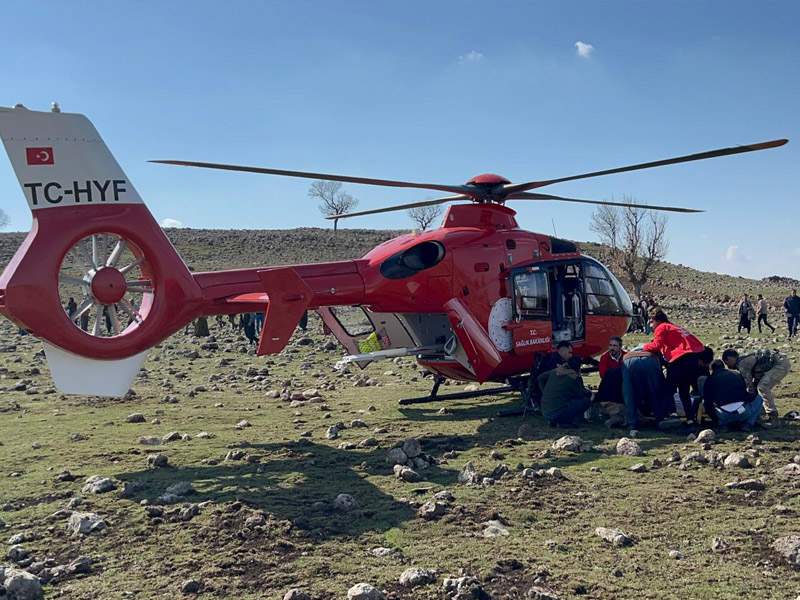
438, 92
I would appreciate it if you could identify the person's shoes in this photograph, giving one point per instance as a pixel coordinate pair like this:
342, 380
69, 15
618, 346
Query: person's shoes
774, 421
615, 421
671, 422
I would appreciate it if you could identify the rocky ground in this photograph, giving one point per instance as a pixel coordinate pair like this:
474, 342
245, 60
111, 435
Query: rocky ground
227, 475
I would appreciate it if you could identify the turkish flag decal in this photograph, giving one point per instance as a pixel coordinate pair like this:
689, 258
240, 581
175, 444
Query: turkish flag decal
39, 156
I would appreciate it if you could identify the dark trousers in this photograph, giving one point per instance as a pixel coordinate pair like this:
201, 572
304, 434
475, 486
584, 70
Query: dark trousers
763, 317
643, 388
573, 410
680, 375
791, 321
744, 322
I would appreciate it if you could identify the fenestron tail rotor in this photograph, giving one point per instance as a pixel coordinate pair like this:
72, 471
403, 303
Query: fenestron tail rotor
490, 188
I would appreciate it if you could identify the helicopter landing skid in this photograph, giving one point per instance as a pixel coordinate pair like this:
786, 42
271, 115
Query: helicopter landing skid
435, 397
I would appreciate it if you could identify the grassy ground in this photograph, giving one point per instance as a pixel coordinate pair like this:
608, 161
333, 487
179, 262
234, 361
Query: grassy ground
304, 543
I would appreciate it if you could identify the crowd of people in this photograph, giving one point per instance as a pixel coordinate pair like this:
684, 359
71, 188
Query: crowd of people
672, 382
748, 312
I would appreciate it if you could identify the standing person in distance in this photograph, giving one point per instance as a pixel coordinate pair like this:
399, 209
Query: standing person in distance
746, 314
792, 307
763, 310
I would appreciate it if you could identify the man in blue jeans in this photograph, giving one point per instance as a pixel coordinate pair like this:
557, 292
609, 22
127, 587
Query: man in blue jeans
643, 388
726, 400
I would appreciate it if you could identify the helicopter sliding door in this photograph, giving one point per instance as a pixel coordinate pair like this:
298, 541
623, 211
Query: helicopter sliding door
569, 308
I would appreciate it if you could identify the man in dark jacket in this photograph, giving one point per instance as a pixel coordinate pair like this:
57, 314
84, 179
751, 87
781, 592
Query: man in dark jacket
792, 307
726, 400
564, 398
533, 393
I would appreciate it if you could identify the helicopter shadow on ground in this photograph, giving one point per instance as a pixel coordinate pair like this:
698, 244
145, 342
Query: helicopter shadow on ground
298, 482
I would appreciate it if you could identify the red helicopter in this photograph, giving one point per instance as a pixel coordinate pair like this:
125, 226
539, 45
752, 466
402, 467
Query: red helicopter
475, 300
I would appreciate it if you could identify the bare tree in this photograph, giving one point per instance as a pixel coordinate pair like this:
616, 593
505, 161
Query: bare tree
425, 215
334, 200
636, 239
4, 220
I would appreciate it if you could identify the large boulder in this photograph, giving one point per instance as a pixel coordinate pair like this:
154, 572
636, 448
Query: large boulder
468, 474
789, 548
414, 577
21, 585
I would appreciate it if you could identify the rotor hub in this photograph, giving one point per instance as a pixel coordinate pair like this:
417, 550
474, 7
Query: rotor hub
108, 286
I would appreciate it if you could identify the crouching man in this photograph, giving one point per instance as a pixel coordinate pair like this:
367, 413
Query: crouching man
761, 371
726, 400
564, 398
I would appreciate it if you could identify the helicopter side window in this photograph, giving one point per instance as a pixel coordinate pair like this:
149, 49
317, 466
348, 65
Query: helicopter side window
531, 296
353, 320
601, 293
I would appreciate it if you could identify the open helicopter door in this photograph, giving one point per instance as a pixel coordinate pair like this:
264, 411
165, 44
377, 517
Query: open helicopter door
480, 352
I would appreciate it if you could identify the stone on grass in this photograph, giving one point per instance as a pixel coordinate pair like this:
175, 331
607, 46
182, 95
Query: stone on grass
135, 418
614, 536
719, 545
431, 510
171, 436
344, 502
180, 488
468, 474
412, 448
150, 440
332, 433
407, 474
85, 523
627, 447
21, 585
396, 456
414, 577
538, 592
17, 553
190, 586
572, 443
97, 484
364, 591
242, 424
638, 468
788, 470
466, 588
494, 529
707, 435
737, 460
296, 594
789, 548
676, 554
555, 473
155, 461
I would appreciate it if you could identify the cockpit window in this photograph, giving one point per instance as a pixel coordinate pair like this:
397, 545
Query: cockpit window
604, 294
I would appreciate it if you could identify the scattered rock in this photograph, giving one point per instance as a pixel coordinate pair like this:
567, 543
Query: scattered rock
85, 523
789, 548
468, 474
707, 435
555, 473
396, 456
431, 510
572, 443
412, 448
465, 588
345, 502
190, 586
638, 468
627, 447
21, 585
150, 440
677, 555
737, 460
296, 594
613, 536
97, 484
364, 591
747, 484
538, 592
135, 418
171, 436
719, 545
407, 474
415, 577
156, 461
788, 470
494, 529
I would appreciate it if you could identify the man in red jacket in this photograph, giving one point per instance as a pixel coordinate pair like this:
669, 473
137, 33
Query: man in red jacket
679, 348
613, 358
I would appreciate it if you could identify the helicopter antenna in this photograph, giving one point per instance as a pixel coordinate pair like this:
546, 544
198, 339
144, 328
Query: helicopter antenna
554, 227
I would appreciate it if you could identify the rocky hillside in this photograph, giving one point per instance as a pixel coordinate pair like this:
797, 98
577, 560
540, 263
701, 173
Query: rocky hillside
210, 249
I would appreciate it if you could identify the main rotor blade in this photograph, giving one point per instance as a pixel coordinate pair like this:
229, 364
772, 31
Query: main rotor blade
521, 187
532, 196
456, 189
399, 207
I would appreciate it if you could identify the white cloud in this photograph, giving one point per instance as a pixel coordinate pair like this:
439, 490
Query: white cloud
584, 50
470, 57
731, 253
166, 223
